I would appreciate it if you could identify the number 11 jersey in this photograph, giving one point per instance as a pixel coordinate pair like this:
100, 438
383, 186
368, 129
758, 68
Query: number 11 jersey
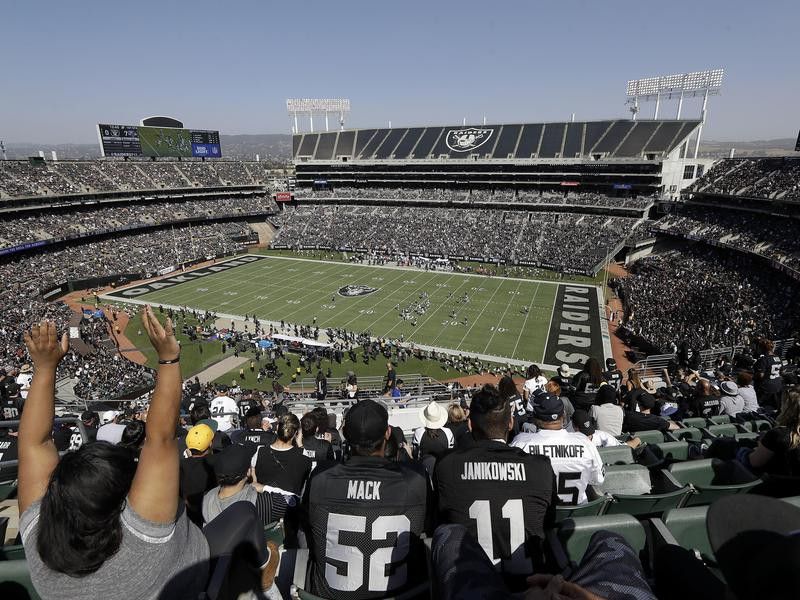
504, 497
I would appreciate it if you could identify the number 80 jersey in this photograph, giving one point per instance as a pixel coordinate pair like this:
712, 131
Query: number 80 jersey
366, 517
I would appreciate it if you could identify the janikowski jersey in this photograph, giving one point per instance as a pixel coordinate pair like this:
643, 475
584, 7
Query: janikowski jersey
575, 460
365, 518
504, 497
223, 409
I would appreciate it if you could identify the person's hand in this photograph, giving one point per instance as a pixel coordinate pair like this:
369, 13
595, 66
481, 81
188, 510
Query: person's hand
634, 443
45, 348
162, 338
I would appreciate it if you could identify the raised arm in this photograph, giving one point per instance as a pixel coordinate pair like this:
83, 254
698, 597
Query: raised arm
154, 492
37, 452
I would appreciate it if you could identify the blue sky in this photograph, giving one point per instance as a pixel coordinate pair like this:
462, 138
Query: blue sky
231, 65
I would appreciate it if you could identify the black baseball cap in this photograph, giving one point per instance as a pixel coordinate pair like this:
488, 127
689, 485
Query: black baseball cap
611, 363
756, 542
606, 395
547, 407
646, 400
233, 461
582, 421
366, 423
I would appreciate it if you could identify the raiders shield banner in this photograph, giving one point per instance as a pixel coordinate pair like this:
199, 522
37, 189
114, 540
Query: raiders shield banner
466, 140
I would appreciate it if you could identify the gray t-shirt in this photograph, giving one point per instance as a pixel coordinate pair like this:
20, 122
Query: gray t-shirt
731, 405
748, 394
608, 417
154, 560
213, 504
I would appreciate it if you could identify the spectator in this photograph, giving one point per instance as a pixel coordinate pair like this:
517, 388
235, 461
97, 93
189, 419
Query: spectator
731, 403
432, 439
744, 380
778, 451
586, 383
282, 467
607, 413
643, 419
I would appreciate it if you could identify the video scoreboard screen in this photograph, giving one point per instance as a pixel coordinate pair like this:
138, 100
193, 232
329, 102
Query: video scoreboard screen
135, 140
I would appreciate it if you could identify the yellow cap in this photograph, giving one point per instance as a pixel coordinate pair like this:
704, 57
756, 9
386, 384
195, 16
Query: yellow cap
199, 438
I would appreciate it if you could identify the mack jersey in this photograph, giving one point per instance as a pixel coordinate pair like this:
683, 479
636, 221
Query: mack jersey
574, 458
504, 497
365, 518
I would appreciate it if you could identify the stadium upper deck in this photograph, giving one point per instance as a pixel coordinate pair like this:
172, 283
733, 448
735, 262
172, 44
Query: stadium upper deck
619, 153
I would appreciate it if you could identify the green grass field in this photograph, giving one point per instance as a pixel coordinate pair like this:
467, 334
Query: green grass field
298, 290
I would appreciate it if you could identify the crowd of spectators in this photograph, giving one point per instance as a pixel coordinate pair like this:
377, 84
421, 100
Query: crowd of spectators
21, 178
563, 240
777, 178
86, 221
707, 298
590, 199
102, 371
772, 236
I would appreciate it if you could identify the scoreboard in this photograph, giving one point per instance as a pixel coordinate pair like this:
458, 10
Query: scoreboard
135, 140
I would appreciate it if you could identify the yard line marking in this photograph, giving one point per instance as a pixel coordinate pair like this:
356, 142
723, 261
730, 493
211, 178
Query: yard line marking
480, 314
510, 300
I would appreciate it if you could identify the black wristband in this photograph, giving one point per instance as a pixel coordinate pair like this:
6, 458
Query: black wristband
177, 359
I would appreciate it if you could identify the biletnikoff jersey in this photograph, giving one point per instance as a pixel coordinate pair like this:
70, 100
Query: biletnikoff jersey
366, 517
504, 497
574, 458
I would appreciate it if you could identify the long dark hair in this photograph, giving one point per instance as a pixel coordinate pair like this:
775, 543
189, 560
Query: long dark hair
79, 524
592, 368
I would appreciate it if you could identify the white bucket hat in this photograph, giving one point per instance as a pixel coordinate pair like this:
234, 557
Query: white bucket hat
433, 416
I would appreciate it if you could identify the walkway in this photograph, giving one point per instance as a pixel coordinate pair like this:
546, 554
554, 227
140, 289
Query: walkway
219, 369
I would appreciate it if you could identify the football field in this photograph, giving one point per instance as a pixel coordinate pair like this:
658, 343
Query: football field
497, 318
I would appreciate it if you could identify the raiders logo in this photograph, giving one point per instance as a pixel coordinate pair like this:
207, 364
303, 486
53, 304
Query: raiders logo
349, 291
464, 140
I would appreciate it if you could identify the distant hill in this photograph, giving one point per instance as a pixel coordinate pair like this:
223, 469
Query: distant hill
779, 147
269, 146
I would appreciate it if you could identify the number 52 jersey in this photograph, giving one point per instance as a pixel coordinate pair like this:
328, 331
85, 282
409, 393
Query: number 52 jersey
365, 518
504, 497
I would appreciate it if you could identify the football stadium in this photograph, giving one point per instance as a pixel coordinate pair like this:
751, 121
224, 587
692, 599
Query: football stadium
522, 358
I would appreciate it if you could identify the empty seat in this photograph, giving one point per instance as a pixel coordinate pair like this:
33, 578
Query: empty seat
616, 455
746, 436
696, 422
724, 430
15, 580
671, 451
759, 425
574, 534
12, 552
795, 500
719, 419
590, 509
626, 479
712, 479
687, 433
688, 527
650, 437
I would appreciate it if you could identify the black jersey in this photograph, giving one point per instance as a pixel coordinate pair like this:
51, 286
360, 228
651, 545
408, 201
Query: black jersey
768, 374
10, 409
244, 406
286, 469
365, 517
505, 497
614, 378
317, 450
519, 412
253, 437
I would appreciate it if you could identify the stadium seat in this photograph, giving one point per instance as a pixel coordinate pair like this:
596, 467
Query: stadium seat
573, 536
758, 425
687, 433
273, 532
745, 436
663, 494
3, 529
8, 490
704, 474
720, 419
12, 552
671, 451
625, 479
15, 580
723, 430
592, 508
616, 455
686, 527
650, 437
696, 422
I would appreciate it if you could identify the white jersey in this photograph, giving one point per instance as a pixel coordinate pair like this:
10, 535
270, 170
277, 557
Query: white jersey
575, 460
603, 439
223, 410
537, 383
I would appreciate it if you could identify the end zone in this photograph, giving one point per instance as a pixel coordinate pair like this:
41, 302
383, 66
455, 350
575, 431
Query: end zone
577, 330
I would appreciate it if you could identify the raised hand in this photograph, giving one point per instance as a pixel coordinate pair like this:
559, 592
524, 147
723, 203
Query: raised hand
161, 337
44, 346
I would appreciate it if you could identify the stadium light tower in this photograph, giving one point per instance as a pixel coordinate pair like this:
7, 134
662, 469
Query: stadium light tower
310, 106
681, 85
